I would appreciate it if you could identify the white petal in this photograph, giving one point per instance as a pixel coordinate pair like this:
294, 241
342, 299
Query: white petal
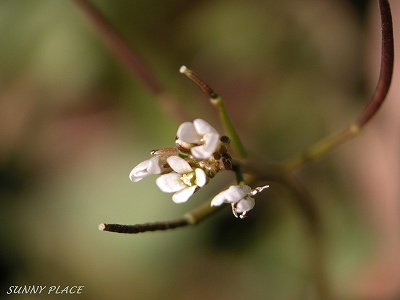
218, 200
187, 133
211, 141
198, 152
140, 171
244, 205
170, 183
202, 127
209, 147
154, 165
232, 195
201, 177
184, 194
237, 192
179, 165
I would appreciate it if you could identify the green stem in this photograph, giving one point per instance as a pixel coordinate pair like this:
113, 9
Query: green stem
321, 148
237, 145
217, 102
239, 175
201, 212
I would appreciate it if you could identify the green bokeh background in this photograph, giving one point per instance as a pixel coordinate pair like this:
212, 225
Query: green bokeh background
74, 122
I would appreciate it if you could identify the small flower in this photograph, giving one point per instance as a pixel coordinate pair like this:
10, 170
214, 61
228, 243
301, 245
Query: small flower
184, 181
240, 198
155, 165
199, 137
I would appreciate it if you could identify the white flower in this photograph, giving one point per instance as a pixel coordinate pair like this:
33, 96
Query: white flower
183, 182
145, 168
240, 198
200, 137
155, 165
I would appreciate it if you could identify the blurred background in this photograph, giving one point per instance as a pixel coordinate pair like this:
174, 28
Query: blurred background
74, 122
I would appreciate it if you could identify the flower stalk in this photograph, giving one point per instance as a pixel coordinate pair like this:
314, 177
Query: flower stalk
192, 217
387, 62
327, 145
217, 101
118, 46
320, 149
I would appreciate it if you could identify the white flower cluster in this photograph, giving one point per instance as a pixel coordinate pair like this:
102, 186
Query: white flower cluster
199, 155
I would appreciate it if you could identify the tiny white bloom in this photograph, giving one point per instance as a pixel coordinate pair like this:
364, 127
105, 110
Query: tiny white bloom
232, 195
240, 198
183, 181
145, 168
244, 205
155, 165
200, 137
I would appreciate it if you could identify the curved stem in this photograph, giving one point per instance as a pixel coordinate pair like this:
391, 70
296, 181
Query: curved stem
387, 61
332, 142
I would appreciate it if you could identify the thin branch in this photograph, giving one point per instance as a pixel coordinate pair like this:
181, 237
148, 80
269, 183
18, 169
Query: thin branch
327, 145
321, 148
129, 59
199, 82
193, 217
218, 103
117, 45
138, 228
387, 61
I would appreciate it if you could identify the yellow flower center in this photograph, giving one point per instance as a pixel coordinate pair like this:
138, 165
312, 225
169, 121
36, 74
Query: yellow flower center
188, 179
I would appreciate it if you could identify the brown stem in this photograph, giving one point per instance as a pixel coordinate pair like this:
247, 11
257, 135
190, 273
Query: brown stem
138, 228
117, 45
387, 61
193, 217
199, 82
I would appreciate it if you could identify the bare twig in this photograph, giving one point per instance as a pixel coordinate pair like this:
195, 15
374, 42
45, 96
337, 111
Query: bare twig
217, 101
193, 217
117, 45
387, 61
129, 59
138, 228
332, 142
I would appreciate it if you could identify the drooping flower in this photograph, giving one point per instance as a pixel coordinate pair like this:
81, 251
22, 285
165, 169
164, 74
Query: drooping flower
155, 165
184, 181
234, 194
198, 138
239, 196
145, 168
